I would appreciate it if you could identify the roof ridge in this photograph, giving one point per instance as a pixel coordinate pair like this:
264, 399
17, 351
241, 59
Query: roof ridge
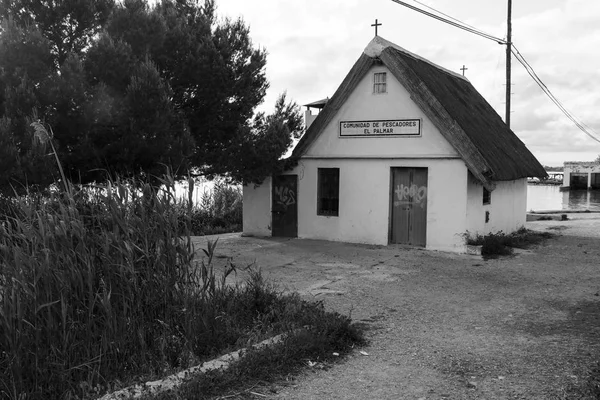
378, 44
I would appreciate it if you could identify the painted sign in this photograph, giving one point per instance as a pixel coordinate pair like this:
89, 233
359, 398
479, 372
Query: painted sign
396, 127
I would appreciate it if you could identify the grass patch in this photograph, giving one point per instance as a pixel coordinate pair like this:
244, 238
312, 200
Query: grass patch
501, 244
592, 385
312, 347
588, 387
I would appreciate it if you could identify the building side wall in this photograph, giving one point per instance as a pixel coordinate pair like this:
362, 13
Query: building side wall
586, 169
257, 209
364, 105
507, 209
365, 195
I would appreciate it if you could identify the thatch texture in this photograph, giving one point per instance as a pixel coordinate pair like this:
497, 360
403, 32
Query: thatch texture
506, 155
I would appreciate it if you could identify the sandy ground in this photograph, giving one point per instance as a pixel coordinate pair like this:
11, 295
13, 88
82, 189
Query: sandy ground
445, 326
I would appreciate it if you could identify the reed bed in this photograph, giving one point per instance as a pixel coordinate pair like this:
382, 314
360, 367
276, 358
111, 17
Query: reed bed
219, 210
101, 287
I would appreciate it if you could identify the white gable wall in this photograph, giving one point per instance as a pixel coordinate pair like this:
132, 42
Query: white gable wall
365, 171
363, 105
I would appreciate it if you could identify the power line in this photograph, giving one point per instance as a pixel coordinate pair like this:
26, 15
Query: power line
458, 24
583, 127
455, 24
445, 15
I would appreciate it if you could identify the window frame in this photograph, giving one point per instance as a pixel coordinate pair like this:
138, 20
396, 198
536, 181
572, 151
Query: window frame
333, 193
380, 86
487, 197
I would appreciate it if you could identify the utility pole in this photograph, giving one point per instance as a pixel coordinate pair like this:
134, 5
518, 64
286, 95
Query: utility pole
508, 62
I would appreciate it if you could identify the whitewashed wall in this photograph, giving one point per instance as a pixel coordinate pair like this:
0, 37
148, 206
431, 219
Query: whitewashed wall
365, 194
508, 207
364, 105
257, 209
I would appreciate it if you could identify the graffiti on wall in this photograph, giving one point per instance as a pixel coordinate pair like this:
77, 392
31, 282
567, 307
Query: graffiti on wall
284, 196
410, 195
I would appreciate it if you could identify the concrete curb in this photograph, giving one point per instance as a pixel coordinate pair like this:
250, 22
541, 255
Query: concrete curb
562, 212
547, 217
175, 380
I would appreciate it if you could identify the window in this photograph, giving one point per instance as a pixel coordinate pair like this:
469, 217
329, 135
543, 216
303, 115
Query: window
380, 82
328, 191
487, 196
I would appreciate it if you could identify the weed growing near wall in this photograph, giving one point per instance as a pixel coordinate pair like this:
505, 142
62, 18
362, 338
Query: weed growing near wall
499, 243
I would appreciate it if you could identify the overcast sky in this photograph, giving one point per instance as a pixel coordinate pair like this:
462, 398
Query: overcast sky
312, 45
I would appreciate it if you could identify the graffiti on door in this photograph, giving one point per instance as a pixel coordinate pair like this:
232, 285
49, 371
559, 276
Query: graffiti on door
285, 196
410, 195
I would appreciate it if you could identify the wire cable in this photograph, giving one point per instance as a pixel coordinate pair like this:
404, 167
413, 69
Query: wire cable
455, 24
582, 126
459, 24
445, 15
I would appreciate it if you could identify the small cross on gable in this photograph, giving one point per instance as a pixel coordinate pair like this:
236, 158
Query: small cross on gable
463, 69
376, 24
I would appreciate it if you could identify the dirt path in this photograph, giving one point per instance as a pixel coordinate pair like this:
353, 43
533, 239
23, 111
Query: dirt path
445, 326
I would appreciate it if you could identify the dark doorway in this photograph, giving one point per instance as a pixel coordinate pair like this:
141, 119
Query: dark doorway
409, 206
284, 205
595, 180
579, 181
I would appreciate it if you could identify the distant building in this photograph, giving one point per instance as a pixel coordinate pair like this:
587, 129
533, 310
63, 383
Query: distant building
404, 152
581, 175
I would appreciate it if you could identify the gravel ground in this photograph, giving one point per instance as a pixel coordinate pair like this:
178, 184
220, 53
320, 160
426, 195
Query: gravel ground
445, 326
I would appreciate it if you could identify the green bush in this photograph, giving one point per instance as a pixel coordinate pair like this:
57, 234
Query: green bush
499, 243
101, 284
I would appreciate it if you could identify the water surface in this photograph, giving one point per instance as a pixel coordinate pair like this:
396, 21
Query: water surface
549, 197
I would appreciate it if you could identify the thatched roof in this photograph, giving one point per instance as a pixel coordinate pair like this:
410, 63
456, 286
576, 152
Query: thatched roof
491, 151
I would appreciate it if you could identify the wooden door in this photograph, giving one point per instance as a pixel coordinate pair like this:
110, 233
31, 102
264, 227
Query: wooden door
284, 207
409, 206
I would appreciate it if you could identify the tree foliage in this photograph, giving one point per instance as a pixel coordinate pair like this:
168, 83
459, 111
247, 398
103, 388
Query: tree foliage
69, 25
130, 88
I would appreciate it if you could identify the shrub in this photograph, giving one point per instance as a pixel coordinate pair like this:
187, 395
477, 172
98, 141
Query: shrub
499, 243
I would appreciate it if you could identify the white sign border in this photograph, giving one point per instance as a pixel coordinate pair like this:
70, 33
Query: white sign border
420, 121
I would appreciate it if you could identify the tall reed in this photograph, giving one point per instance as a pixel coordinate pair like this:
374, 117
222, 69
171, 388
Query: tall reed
100, 284
218, 211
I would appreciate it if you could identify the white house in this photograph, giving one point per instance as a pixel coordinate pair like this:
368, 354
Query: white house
404, 152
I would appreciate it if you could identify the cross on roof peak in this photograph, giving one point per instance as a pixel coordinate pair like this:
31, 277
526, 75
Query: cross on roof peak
376, 24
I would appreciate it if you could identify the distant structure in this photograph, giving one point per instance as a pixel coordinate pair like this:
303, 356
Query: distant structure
581, 175
404, 152
309, 117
